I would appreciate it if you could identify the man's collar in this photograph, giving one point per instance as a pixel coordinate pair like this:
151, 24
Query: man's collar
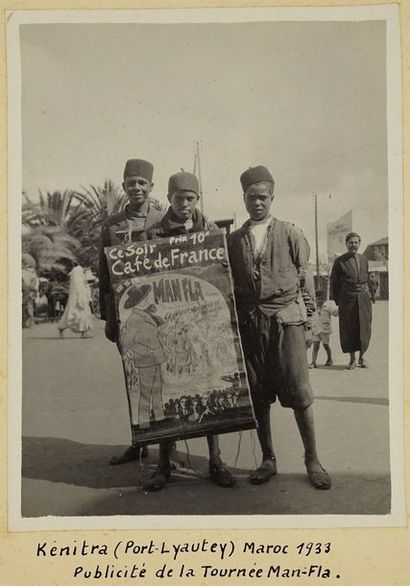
170, 222
142, 212
266, 220
247, 225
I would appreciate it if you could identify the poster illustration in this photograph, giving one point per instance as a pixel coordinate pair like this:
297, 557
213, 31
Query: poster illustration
180, 347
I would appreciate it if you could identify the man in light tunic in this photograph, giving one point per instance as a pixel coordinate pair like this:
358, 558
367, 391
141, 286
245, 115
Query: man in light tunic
269, 259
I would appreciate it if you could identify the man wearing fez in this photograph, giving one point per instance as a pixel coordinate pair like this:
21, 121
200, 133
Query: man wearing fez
269, 260
183, 217
128, 225
350, 291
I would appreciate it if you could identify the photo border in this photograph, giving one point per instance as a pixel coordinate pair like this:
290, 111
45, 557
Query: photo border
358, 13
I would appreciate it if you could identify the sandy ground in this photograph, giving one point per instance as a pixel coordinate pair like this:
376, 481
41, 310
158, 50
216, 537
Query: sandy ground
75, 418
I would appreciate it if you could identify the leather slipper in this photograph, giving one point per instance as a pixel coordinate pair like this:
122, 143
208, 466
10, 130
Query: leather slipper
221, 476
320, 479
263, 473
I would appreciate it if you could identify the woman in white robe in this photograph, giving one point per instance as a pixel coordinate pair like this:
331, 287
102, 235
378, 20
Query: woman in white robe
77, 315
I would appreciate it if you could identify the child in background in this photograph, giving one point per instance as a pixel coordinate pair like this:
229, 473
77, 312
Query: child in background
322, 327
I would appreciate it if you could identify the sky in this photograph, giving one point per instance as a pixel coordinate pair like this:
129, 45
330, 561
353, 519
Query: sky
306, 99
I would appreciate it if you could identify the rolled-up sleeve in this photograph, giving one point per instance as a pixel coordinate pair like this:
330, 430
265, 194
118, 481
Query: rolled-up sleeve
300, 252
335, 282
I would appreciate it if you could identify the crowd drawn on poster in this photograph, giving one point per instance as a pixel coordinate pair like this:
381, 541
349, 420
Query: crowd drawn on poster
198, 409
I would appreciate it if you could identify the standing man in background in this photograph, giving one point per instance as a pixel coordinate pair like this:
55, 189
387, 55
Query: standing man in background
128, 225
350, 291
269, 259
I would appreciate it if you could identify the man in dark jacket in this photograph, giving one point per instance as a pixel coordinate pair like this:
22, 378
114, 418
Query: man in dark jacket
269, 260
350, 291
128, 225
183, 217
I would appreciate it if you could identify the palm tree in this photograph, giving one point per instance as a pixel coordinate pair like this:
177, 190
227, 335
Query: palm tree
51, 248
46, 229
76, 218
55, 208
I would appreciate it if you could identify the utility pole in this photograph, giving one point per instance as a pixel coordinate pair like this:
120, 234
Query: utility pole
317, 246
197, 163
195, 160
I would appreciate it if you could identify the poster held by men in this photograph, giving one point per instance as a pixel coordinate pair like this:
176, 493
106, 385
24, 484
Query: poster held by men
179, 341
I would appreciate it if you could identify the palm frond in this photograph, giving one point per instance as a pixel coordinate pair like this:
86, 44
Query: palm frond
68, 223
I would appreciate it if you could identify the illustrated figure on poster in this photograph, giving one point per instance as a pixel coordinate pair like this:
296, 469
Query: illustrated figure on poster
77, 314
128, 225
140, 336
183, 217
200, 335
209, 412
269, 261
197, 409
350, 291
223, 350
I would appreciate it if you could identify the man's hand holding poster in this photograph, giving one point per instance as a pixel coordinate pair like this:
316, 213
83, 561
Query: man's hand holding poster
178, 335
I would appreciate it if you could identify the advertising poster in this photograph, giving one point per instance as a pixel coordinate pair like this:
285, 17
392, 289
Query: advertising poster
336, 234
179, 340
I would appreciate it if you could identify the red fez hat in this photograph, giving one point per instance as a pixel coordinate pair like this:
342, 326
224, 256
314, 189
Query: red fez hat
139, 168
183, 181
255, 175
136, 295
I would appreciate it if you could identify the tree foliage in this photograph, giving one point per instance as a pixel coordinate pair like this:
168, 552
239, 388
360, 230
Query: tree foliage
64, 225
51, 248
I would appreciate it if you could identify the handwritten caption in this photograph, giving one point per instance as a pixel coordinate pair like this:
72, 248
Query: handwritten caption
225, 559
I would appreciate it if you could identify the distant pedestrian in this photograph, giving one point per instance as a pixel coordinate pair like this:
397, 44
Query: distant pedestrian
77, 314
322, 327
350, 291
373, 286
50, 301
29, 292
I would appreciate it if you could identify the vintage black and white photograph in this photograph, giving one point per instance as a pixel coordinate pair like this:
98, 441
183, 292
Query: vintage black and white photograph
205, 282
